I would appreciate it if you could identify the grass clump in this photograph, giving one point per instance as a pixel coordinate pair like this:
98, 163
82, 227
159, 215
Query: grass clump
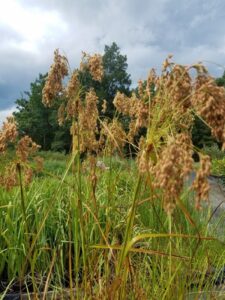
102, 226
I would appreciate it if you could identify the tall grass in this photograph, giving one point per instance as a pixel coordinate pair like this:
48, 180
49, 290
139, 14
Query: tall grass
94, 225
146, 267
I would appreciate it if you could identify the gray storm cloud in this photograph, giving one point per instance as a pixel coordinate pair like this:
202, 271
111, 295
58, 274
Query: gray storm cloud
146, 32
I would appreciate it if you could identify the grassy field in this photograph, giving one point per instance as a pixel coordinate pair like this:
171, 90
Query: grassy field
96, 225
166, 256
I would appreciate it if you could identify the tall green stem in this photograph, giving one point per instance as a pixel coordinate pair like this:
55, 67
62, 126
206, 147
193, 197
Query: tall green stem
130, 222
22, 197
79, 220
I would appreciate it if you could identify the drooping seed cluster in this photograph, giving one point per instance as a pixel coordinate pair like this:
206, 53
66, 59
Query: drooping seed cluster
151, 83
53, 85
8, 133
104, 106
75, 106
165, 105
61, 114
113, 134
85, 115
171, 169
9, 177
25, 148
201, 184
209, 101
93, 64
70, 105
177, 85
146, 157
136, 109
88, 127
122, 103
73, 85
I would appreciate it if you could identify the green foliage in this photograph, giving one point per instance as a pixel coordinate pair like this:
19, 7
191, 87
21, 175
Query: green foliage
54, 162
218, 167
40, 122
221, 80
214, 152
32, 117
218, 160
150, 257
116, 77
50, 155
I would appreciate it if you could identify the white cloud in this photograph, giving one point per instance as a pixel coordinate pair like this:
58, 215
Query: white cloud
146, 31
6, 113
33, 25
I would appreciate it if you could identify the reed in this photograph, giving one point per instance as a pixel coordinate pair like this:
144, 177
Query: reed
109, 227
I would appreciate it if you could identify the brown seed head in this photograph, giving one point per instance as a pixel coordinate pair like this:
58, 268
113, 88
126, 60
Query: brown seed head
209, 102
8, 133
39, 161
73, 85
201, 184
53, 84
151, 82
114, 133
88, 116
104, 106
26, 147
173, 166
61, 114
9, 179
94, 65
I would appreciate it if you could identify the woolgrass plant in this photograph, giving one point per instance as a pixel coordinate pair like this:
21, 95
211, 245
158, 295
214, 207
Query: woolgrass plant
109, 227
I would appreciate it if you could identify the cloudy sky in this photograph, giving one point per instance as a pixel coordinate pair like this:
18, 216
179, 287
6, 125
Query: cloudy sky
145, 30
